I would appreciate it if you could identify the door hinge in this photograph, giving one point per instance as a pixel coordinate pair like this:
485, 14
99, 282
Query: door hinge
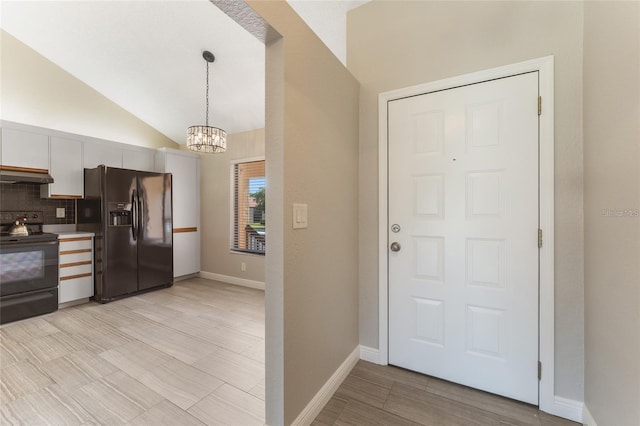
539, 238
539, 105
539, 370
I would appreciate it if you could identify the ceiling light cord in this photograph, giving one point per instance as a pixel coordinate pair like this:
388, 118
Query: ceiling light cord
206, 119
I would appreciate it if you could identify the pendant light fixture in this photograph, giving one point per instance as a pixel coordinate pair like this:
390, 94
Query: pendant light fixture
207, 139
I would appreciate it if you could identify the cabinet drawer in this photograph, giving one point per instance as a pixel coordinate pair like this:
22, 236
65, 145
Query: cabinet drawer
78, 288
72, 244
75, 257
73, 270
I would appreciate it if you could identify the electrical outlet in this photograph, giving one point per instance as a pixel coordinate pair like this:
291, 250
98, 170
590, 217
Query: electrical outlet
60, 213
243, 267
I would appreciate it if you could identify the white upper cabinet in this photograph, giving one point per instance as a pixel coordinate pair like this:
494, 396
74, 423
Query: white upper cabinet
96, 154
66, 169
25, 149
142, 160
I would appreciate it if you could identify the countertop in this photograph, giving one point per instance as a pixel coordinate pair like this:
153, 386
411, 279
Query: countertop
74, 234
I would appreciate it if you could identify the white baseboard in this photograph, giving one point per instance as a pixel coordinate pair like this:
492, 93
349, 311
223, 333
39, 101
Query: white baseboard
587, 418
232, 280
184, 277
73, 303
369, 354
567, 408
323, 396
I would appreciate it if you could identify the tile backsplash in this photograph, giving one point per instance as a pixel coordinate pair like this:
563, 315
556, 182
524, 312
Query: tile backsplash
26, 196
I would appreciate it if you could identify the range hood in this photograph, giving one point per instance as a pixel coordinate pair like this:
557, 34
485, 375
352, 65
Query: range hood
24, 176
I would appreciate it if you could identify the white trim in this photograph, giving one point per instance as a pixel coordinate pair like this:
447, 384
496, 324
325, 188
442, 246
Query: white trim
73, 303
176, 151
184, 277
247, 160
369, 354
325, 393
568, 408
587, 418
232, 201
232, 280
544, 66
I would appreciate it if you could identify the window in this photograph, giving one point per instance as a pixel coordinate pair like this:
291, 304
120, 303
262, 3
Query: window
249, 229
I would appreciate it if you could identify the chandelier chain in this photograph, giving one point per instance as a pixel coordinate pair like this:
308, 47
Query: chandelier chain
206, 119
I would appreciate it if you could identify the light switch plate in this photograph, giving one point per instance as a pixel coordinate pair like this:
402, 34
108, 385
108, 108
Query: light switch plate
60, 212
300, 219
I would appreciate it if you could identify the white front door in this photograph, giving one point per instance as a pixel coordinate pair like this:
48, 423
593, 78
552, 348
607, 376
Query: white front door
463, 209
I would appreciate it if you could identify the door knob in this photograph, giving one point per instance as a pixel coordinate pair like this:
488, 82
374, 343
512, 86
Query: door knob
395, 246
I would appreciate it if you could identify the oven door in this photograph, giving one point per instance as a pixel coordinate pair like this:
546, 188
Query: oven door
28, 279
28, 266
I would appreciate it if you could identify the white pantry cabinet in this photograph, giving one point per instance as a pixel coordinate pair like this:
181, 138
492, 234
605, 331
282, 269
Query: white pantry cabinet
66, 168
185, 168
76, 267
25, 149
96, 154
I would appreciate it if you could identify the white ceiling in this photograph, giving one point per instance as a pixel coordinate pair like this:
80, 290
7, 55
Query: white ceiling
146, 56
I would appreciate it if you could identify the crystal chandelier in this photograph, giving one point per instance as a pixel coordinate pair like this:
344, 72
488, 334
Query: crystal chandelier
207, 139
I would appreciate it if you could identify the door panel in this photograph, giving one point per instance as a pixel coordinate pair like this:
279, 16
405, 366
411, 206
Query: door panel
155, 246
463, 186
121, 260
121, 269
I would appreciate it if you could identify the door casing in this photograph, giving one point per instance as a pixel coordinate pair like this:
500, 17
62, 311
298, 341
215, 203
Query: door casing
544, 66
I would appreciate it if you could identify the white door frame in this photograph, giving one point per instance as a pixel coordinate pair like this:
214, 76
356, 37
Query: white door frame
544, 66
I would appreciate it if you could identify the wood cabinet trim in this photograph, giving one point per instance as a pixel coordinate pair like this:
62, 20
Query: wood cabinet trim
66, 197
181, 230
66, 240
75, 251
67, 265
24, 169
72, 277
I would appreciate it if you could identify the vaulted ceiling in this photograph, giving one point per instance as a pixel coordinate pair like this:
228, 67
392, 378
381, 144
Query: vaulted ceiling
146, 56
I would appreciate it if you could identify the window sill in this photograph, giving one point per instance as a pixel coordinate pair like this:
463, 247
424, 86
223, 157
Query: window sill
248, 253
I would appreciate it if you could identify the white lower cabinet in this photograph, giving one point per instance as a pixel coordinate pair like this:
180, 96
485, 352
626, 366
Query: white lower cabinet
76, 267
186, 253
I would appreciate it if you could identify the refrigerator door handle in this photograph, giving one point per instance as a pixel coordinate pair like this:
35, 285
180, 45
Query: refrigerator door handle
134, 213
140, 212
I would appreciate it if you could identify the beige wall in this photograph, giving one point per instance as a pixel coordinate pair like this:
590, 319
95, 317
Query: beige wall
313, 140
395, 44
612, 182
215, 205
35, 91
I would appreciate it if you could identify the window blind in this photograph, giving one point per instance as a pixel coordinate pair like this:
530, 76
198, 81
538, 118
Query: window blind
249, 225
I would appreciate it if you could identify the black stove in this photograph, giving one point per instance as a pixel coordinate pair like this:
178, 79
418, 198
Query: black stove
34, 221
28, 268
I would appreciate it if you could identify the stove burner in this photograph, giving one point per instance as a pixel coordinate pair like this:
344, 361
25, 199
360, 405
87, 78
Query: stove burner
34, 221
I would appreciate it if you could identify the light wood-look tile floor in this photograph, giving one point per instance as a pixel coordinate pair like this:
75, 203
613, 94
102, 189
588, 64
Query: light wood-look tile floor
192, 354
386, 395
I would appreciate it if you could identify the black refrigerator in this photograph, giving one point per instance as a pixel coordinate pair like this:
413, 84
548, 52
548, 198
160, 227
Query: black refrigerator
130, 213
